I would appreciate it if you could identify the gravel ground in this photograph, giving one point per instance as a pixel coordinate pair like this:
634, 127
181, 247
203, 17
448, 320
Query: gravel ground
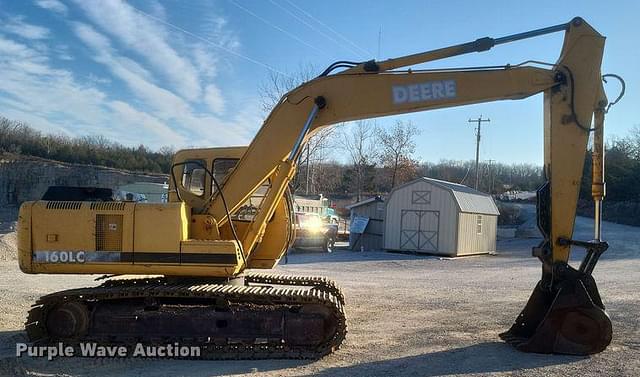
8, 241
407, 315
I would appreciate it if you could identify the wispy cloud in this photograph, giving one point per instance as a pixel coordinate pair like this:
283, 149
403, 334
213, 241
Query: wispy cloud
213, 98
18, 26
149, 86
53, 100
98, 80
162, 100
53, 5
146, 38
165, 104
151, 126
61, 51
28, 79
213, 28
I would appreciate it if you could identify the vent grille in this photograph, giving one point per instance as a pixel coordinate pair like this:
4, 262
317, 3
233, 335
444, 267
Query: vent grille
108, 206
108, 232
64, 205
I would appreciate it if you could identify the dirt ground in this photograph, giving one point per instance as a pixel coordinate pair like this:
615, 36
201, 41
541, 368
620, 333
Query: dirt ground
407, 315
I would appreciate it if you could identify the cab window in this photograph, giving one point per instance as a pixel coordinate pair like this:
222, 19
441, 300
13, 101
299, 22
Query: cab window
221, 168
247, 212
193, 177
249, 209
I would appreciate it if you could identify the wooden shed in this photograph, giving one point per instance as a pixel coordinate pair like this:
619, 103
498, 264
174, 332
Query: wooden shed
370, 238
439, 217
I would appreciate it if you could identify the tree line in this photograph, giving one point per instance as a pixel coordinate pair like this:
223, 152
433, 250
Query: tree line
374, 161
19, 138
622, 169
377, 160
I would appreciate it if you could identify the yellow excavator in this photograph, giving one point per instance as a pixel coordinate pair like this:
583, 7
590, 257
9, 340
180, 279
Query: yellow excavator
230, 210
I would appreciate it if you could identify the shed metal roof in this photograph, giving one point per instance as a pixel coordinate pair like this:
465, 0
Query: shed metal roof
468, 199
363, 202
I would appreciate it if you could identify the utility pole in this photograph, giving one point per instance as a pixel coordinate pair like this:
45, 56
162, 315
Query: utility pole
478, 128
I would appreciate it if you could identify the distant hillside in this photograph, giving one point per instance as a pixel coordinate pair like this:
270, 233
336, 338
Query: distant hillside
25, 178
18, 138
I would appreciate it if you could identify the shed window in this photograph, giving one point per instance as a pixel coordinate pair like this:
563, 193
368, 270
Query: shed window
421, 197
479, 224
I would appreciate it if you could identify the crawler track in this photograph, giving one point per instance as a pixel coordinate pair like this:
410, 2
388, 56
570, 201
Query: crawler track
270, 316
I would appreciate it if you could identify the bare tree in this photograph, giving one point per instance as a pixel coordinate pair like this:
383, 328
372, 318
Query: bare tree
316, 149
359, 144
277, 85
398, 144
633, 141
332, 178
317, 152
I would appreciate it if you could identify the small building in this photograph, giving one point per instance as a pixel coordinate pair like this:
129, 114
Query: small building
438, 217
369, 212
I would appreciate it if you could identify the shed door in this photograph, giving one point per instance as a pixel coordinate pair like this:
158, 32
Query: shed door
419, 230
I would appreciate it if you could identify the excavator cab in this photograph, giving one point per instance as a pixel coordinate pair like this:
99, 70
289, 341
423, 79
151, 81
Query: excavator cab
195, 177
190, 180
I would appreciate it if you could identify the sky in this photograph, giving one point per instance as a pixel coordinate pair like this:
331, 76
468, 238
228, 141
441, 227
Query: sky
187, 73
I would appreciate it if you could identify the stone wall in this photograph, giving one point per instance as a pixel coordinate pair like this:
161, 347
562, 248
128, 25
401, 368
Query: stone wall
27, 178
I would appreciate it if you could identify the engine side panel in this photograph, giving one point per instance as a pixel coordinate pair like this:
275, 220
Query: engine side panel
69, 237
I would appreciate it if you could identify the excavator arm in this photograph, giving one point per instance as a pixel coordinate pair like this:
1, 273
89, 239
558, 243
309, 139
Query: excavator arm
565, 313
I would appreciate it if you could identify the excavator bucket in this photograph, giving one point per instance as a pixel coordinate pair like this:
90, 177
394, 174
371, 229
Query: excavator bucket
569, 319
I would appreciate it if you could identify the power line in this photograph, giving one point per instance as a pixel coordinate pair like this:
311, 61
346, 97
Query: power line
367, 53
210, 42
291, 35
310, 26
